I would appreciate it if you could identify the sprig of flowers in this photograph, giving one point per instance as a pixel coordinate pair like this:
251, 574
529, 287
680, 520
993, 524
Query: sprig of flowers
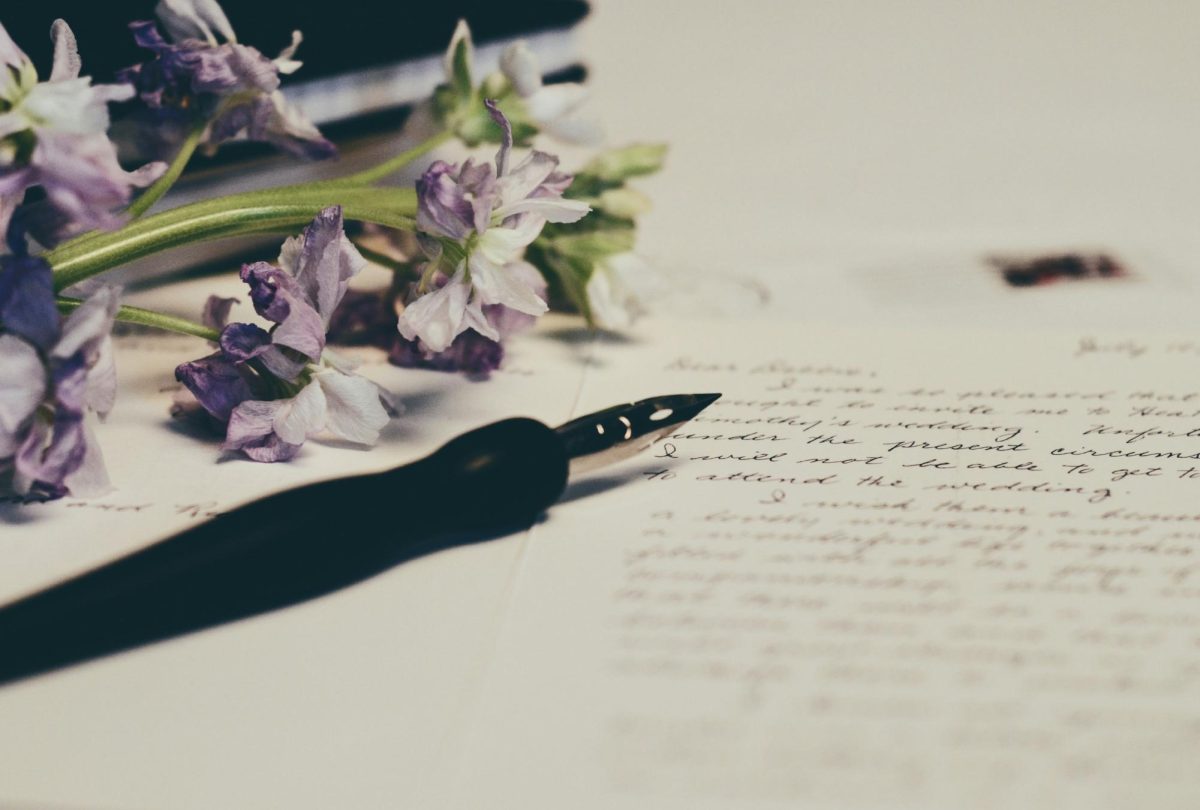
273, 389
479, 249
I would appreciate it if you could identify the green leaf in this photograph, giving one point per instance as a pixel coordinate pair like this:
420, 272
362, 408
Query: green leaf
461, 67
572, 275
617, 165
623, 202
594, 245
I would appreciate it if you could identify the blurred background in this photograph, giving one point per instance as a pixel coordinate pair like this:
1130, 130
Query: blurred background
871, 152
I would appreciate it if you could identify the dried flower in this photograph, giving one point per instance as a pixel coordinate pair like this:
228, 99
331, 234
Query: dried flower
53, 135
52, 372
477, 221
273, 389
203, 73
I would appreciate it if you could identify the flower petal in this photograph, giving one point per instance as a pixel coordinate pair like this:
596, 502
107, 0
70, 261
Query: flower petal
88, 326
216, 383
66, 53
442, 206
216, 311
505, 244
301, 416
323, 262
436, 318
10, 56
506, 321
520, 66
90, 479
242, 341
50, 453
194, 19
285, 62
102, 380
27, 305
22, 390
353, 409
555, 101
527, 176
551, 209
619, 289
278, 297
498, 286
251, 430
506, 136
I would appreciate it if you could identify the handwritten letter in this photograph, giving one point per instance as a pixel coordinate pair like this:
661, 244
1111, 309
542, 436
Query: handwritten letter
884, 570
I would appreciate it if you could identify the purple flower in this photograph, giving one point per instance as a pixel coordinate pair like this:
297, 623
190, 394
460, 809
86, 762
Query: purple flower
274, 389
470, 352
477, 349
53, 135
232, 85
477, 221
52, 372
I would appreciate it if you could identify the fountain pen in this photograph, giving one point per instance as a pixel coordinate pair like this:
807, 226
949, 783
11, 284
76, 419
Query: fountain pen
302, 543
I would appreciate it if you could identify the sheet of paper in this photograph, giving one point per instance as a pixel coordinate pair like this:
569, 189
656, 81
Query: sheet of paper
355, 699
888, 569
167, 474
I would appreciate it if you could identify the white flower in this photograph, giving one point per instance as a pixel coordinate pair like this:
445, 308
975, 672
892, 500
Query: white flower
554, 108
620, 288
440, 316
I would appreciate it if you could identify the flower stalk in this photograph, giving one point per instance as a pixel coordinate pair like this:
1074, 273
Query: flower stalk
147, 317
163, 184
394, 164
256, 212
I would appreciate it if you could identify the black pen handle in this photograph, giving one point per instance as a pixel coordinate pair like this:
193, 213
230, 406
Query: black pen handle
287, 548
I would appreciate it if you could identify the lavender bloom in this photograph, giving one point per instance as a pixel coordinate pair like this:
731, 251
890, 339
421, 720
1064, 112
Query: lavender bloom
53, 135
274, 389
232, 85
470, 352
477, 349
486, 216
52, 371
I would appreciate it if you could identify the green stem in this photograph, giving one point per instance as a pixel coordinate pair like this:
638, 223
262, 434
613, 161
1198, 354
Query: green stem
381, 259
148, 317
393, 165
364, 178
283, 209
163, 184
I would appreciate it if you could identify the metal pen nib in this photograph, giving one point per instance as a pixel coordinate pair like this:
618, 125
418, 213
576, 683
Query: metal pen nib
614, 434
